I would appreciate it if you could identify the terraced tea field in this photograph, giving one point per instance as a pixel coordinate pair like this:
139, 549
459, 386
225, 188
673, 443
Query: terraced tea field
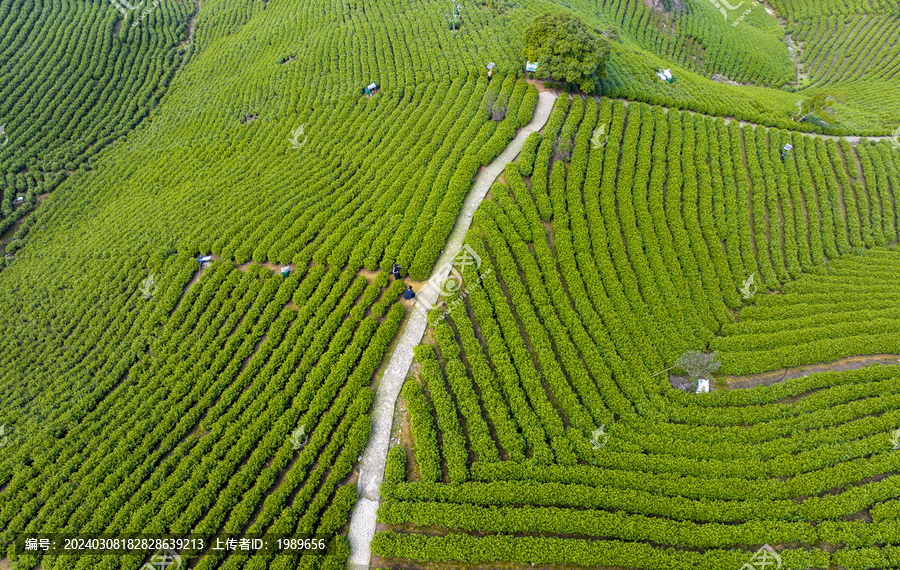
75, 79
201, 208
539, 431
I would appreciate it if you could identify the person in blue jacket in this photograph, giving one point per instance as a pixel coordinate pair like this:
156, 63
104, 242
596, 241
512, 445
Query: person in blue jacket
408, 294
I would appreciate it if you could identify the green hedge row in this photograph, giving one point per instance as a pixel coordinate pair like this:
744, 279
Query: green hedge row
452, 439
546, 494
591, 523
545, 550
428, 459
526, 157
480, 440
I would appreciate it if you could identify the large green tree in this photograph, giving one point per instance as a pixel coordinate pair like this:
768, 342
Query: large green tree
566, 49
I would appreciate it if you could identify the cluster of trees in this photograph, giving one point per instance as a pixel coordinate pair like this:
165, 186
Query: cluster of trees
566, 50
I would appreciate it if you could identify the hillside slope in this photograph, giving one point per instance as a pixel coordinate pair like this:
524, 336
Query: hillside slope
538, 427
142, 390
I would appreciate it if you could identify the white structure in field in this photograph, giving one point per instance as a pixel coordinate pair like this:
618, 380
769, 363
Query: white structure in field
703, 385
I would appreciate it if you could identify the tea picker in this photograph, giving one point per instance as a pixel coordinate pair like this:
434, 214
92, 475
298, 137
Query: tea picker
785, 150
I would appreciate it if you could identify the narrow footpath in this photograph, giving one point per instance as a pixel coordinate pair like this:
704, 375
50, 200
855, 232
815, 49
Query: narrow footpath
371, 467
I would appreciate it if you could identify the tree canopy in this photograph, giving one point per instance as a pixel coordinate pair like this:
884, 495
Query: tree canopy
819, 105
566, 49
698, 364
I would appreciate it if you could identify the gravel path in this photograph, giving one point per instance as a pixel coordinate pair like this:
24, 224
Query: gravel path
371, 467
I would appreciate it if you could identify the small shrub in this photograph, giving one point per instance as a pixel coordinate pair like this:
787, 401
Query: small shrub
562, 150
496, 107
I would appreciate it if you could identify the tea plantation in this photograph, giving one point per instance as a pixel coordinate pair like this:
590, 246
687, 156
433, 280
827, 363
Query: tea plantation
201, 206
540, 431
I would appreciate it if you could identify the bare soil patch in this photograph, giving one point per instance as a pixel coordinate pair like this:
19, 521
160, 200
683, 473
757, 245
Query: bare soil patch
539, 85
719, 78
369, 275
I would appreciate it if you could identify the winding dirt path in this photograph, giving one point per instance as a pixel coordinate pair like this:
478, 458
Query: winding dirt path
192, 23
775, 376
